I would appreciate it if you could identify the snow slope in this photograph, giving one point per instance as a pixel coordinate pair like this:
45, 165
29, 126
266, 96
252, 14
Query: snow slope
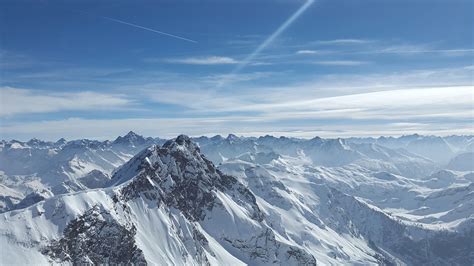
170, 205
55, 162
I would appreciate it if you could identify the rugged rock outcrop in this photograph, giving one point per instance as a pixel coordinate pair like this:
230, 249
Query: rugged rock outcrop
96, 238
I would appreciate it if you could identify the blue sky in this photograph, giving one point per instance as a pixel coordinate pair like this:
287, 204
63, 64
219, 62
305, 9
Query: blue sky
98, 69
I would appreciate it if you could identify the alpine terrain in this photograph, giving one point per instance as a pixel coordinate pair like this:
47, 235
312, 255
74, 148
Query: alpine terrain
238, 201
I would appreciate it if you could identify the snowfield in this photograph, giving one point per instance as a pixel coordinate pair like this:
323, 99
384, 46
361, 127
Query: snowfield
238, 201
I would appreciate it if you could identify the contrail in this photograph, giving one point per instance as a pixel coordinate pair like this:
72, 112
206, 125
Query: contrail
148, 29
140, 27
271, 38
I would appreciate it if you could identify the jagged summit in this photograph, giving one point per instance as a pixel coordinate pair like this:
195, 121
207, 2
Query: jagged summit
316, 139
181, 150
178, 174
232, 137
216, 138
34, 142
60, 142
182, 142
130, 135
131, 138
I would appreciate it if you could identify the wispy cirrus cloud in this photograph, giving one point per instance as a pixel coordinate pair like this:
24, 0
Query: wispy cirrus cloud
248, 40
243, 77
410, 49
311, 52
16, 61
405, 104
403, 118
432, 101
341, 63
364, 47
203, 60
22, 101
342, 42
427, 93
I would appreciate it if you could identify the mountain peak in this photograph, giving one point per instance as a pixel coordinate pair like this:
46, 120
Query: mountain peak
132, 134
178, 175
36, 142
182, 142
232, 137
183, 139
61, 140
131, 138
216, 138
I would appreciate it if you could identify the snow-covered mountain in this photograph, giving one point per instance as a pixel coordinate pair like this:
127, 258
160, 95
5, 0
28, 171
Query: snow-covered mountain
256, 201
322, 152
462, 162
166, 205
51, 163
438, 149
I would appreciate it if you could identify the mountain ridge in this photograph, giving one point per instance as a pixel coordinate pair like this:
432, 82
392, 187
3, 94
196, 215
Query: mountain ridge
271, 204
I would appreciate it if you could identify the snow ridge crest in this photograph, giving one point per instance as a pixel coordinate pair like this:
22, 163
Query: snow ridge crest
178, 175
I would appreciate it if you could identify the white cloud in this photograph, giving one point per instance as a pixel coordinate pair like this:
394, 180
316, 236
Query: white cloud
343, 41
307, 52
433, 101
12, 60
251, 40
368, 47
341, 63
411, 49
21, 101
403, 49
232, 78
208, 60
408, 103
414, 95
73, 128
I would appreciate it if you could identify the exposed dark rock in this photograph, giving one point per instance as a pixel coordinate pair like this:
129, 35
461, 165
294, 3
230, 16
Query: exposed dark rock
435, 248
265, 248
96, 238
178, 175
30, 199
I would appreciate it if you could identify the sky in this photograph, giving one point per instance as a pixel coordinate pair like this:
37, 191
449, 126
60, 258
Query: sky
330, 68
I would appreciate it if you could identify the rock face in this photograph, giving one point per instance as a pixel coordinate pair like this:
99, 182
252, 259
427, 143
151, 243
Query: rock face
179, 176
32, 198
96, 238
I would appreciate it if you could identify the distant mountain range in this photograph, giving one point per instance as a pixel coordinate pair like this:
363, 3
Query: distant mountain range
238, 200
